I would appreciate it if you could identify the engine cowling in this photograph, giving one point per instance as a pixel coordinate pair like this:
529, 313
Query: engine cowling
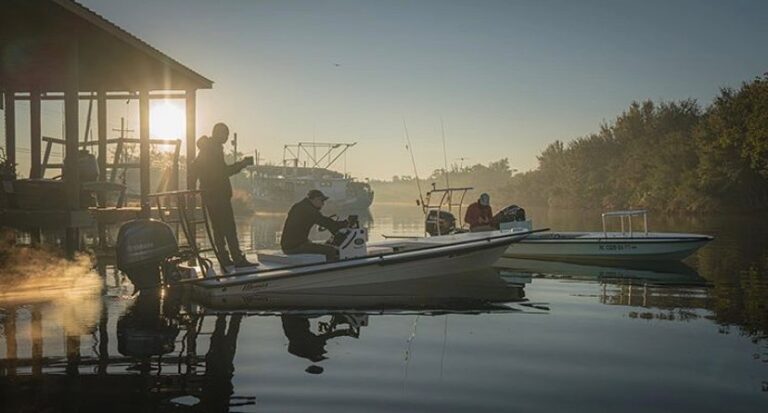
142, 246
441, 223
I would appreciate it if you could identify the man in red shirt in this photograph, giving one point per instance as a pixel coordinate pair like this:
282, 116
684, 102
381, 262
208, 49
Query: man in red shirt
479, 215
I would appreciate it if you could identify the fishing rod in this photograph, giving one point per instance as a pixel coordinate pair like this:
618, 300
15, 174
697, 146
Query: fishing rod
413, 162
445, 155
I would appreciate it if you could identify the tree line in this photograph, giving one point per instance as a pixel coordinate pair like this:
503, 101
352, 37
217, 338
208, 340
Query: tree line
669, 156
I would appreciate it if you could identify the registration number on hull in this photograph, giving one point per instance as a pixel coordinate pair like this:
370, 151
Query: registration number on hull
616, 247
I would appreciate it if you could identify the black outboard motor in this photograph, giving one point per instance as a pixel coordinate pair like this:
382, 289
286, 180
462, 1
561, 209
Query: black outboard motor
511, 213
142, 246
445, 224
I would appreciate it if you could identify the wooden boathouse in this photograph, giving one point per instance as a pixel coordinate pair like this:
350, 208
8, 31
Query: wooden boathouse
61, 50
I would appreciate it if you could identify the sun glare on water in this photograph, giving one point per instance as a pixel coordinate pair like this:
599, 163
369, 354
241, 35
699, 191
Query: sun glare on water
167, 120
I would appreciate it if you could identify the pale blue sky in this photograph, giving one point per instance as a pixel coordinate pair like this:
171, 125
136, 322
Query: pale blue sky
507, 77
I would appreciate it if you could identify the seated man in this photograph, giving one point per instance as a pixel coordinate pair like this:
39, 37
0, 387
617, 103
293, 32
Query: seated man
479, 215
302, 216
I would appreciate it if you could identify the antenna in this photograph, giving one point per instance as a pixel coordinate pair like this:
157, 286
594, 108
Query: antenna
445, 155
413, 161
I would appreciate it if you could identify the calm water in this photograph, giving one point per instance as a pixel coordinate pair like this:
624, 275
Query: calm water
529, 337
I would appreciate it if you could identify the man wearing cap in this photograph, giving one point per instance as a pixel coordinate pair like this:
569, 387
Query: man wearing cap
213, 172
479, 215
301, 217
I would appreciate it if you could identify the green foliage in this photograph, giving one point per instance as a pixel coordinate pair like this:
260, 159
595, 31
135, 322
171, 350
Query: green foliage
669, 156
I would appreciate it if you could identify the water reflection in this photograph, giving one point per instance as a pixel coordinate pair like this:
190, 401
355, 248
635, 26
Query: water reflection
159, 364
72, 346
304, 343
667, 273
483, 290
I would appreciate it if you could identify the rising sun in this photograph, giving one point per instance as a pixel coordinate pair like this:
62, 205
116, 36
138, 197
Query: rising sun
167, 120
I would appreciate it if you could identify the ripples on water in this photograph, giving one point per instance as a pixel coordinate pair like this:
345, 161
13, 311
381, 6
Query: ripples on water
530, 336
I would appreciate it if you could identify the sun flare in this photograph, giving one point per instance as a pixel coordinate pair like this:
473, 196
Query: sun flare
167, 120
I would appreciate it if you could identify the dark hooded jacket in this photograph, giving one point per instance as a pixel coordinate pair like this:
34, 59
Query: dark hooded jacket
301, 217
211, 169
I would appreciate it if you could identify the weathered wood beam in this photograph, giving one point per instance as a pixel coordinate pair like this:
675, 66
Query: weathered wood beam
10, 126
116, 96
144, 151
71, 133
101, 125
101, 109
35, 134
191, 120
71, 128
191, 108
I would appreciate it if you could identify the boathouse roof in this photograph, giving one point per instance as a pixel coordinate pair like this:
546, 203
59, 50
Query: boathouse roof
37, 36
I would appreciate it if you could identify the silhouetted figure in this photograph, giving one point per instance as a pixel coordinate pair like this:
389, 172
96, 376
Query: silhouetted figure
301, 217
218, 390
302, 342
213, 173
479, 214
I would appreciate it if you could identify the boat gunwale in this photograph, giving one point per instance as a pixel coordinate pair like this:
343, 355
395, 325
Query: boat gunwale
233, 280
647, 240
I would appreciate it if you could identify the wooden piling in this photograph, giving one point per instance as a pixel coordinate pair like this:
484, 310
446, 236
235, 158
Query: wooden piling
35, 133
101, 120
71, 127
144, 151
191, 109
10, 125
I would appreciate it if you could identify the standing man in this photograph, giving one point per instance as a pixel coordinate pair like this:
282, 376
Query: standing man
213, 173
479, 215
301, 217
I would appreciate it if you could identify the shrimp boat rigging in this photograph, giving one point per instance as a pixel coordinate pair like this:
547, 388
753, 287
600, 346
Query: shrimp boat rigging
306, 166
149, 254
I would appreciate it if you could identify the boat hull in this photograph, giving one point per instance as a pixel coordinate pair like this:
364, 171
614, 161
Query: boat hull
369, 272
616, 248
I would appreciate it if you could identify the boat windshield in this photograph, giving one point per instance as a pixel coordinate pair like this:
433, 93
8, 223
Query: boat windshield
628, 215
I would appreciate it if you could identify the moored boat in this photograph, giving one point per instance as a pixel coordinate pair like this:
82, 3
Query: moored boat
605, 245
149, 254
369, 271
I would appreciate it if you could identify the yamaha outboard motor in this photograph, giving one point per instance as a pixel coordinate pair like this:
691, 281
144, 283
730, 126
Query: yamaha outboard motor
445, 224
142, 247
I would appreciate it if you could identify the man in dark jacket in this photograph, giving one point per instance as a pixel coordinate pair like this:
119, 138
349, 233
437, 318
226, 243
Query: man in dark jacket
301, 217
213, 173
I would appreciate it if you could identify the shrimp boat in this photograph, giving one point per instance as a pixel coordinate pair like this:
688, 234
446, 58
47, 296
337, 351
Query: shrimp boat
605, 245
149, 254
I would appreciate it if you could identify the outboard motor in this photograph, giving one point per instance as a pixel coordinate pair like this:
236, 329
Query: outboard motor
512, 218
445, 224
142, 247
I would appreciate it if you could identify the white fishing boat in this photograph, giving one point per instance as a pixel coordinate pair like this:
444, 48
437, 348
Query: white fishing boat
627, 244
369, 271
149, 254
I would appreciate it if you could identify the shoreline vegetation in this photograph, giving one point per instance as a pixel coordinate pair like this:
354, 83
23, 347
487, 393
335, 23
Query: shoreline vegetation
673, 157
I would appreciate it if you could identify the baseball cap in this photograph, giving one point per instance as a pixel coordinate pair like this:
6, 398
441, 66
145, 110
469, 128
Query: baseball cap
316, 193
